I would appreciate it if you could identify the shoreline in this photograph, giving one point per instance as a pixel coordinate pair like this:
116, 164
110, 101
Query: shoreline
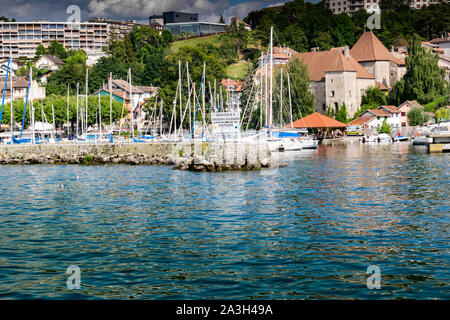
199, 156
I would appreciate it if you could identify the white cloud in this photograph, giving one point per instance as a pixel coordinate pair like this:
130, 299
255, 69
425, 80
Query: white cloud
208, 10
146, 8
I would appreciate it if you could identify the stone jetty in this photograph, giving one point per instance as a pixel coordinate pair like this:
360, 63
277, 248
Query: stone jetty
198, 156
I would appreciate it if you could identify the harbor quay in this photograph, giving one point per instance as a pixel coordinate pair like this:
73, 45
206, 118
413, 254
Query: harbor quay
195, 156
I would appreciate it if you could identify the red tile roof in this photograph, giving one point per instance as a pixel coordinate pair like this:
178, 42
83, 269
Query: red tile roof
370, 48
228, 83
316, 120
378, 113
361, 120
320, 62
381, 86
391, 109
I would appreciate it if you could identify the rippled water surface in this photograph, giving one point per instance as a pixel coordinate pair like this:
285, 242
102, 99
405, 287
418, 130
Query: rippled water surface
307, 231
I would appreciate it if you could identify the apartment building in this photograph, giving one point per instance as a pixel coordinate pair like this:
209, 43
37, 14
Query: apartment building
118, 29
351, 6
20, 39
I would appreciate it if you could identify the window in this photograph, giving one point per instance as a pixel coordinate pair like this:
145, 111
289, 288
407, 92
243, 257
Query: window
324, 107
403, 114
332, 93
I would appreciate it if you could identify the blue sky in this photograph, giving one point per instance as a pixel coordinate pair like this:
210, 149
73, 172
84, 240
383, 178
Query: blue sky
209, 10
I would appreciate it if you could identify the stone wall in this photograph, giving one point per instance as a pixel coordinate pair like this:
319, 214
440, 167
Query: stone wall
198, 156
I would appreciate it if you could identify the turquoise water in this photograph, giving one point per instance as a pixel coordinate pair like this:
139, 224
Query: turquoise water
307, 231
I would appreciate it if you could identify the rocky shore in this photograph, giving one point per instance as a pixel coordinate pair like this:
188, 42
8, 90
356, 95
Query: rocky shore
182, 157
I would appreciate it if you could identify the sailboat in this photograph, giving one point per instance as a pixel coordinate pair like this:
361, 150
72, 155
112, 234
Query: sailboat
277, 139
29, 136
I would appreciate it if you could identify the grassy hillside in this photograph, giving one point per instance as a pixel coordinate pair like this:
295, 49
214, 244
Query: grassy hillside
238, 70
193, 42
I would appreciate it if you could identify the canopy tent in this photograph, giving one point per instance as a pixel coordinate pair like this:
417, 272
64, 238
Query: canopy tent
316, 120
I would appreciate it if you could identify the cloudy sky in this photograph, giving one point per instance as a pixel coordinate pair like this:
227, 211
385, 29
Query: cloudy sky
209, 10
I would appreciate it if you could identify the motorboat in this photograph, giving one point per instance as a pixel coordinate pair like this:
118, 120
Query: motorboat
381, 138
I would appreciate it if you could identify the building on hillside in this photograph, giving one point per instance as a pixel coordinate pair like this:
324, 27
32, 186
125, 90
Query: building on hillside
442, 43
118, 29
139, 96
238, 22
404, 109
195, 28
281, 55
139, 93
336, 78
182, 23
20, 85
351, 6
441, 47
49, 62
22, 38
174, 17
373, 119
376, 59
234, 91
13, 66
342, 75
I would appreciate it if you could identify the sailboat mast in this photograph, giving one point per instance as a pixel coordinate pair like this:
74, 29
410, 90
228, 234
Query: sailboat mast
189, 90
161, 119
181, 94
271, 77
290, 100
68, 126
78, 91
53, 115
203, 96
99, 114
86, 123
261, 92
110, 103
32, 106
281, 98
11, 105
131, 102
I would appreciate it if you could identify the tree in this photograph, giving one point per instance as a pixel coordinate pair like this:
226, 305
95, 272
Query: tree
385, 127
443, 114
373, 97
342, 114
417, 117
295, 38
394, 4
424, 80
221, 20
57, 49
323, 40
72, 72
302, 99
40, 50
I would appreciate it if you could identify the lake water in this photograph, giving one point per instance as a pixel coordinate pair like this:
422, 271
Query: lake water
306, 231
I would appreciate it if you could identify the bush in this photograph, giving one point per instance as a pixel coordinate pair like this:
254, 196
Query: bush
417, 117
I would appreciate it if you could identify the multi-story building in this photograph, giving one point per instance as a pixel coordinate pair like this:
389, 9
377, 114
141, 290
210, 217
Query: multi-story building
370, 52
20, 39
351, 6
342, 75
118, 29
181, 23
174, 17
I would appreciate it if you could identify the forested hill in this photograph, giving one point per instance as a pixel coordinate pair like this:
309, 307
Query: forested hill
304, 25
